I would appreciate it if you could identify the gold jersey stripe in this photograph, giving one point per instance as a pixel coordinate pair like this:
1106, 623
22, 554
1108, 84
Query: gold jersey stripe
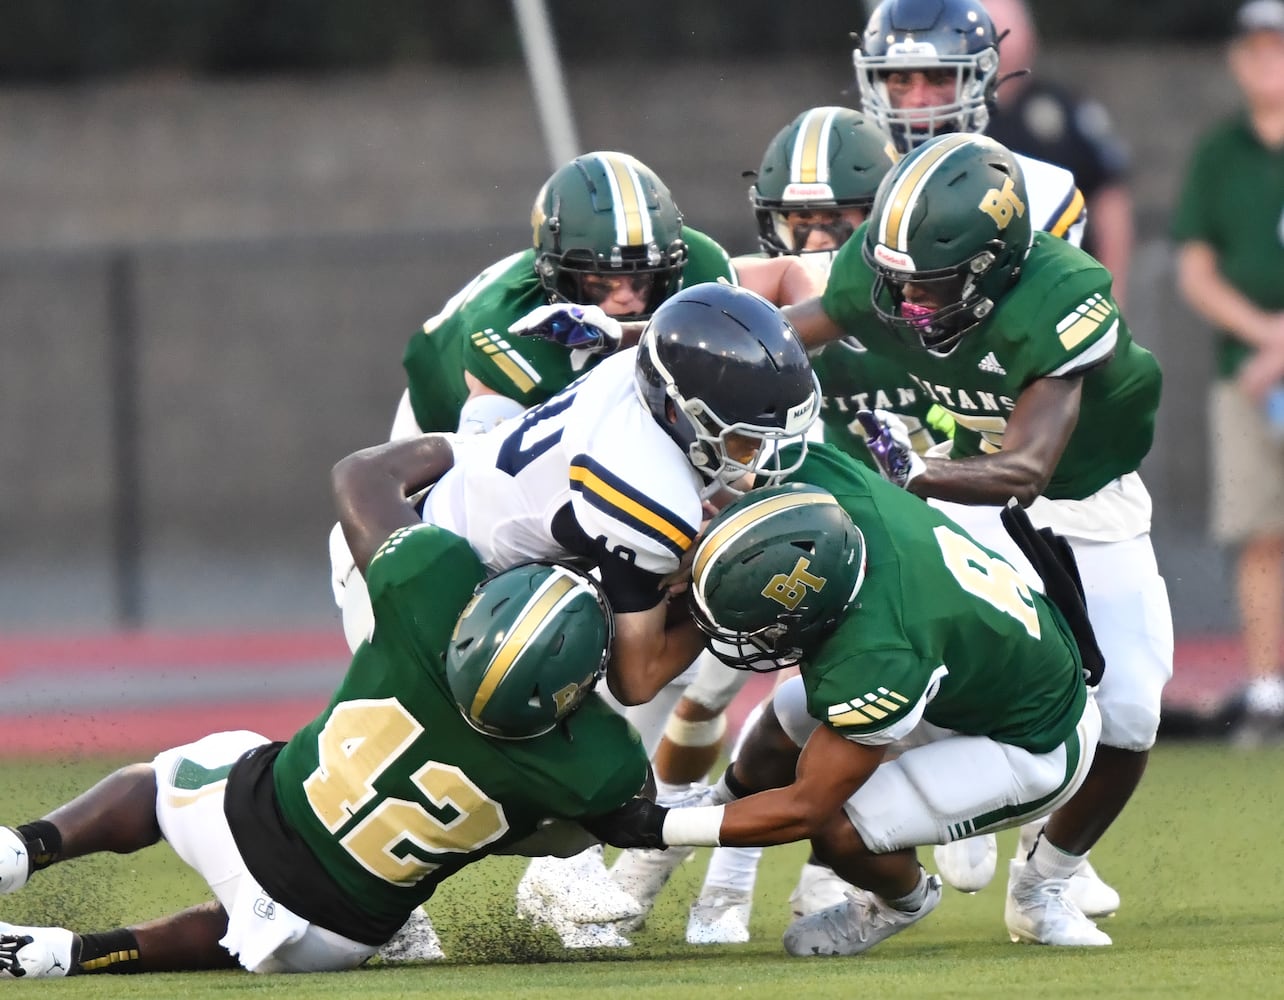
533, 618
515, 373
676, 533
903, 196
630, 213
853, 718
750, 515
1069, 216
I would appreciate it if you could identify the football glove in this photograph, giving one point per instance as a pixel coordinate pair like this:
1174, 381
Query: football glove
889, 443
637, 823
586, 331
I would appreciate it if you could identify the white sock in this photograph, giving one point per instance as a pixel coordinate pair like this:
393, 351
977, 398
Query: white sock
1265, 695
732, 868
913, 900
1049, 862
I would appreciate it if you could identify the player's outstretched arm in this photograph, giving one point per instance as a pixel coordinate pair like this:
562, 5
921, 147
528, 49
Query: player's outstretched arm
813, 325
1035, 438
371, 488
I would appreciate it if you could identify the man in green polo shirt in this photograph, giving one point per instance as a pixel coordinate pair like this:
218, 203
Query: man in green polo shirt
1229, 223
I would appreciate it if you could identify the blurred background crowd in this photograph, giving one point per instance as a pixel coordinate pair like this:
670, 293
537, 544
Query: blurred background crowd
220, 221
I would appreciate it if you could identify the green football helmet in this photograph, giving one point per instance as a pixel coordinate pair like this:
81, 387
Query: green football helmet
528, 649
774, 574
607, 215
819, 174
951, 218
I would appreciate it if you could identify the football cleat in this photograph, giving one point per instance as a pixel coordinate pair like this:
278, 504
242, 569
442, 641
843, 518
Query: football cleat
855, 925
579, 888
15, 862
417, 941
968, 865
719, 916
642, 874
35, 952
818, 889
1039, 911
1087, 890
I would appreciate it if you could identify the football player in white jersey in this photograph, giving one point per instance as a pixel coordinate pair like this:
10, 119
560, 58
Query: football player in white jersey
620, 468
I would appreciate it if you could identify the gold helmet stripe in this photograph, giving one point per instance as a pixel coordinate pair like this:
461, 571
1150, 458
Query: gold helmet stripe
893, 228
540, 610
632, 220
712, 546
809, 163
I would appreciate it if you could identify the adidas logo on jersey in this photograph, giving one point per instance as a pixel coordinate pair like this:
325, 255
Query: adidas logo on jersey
990, 364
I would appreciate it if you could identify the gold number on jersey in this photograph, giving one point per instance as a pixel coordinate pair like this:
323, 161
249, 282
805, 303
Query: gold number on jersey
991, 579
789, 589
361, 739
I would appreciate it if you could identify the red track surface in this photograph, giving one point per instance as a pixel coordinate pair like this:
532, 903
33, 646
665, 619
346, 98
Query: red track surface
1207, 671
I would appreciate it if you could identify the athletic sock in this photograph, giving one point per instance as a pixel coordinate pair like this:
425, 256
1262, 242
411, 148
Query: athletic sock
913, 900
1050, 862
44, 843
109, 951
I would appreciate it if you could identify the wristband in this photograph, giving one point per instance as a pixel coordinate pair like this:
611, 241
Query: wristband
698, 826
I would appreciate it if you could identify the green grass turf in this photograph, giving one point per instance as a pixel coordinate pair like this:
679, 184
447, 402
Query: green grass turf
1196, 858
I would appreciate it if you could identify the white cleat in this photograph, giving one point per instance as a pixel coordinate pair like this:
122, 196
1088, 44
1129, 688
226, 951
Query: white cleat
968, 865
1091, 894
417, 941
818, 889
719, 916
855, 925
34, 952
579, 888
15, 864
1038, 911
643, 874
577, 898
1087, 890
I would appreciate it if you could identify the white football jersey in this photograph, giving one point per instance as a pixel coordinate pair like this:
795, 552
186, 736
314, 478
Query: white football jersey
1056, 204
594, 445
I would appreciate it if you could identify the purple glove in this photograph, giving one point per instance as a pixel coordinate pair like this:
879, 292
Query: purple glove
578, 328
889, 443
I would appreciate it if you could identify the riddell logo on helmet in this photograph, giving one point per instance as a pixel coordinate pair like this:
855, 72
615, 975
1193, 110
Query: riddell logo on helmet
807, 192
800, 416
894, 259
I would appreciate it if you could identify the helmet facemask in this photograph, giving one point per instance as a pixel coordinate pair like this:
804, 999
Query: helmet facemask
969, 110
773, 576
656, 275
938, 330
711, 443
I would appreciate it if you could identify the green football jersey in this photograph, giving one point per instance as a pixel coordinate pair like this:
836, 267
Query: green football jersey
851, 379
391, 789
939, 619
1058, 320
471, 334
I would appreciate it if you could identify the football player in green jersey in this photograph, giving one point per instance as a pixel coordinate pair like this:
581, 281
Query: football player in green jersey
813, 189
1015, 334
607, 237
466, 726
939, 694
